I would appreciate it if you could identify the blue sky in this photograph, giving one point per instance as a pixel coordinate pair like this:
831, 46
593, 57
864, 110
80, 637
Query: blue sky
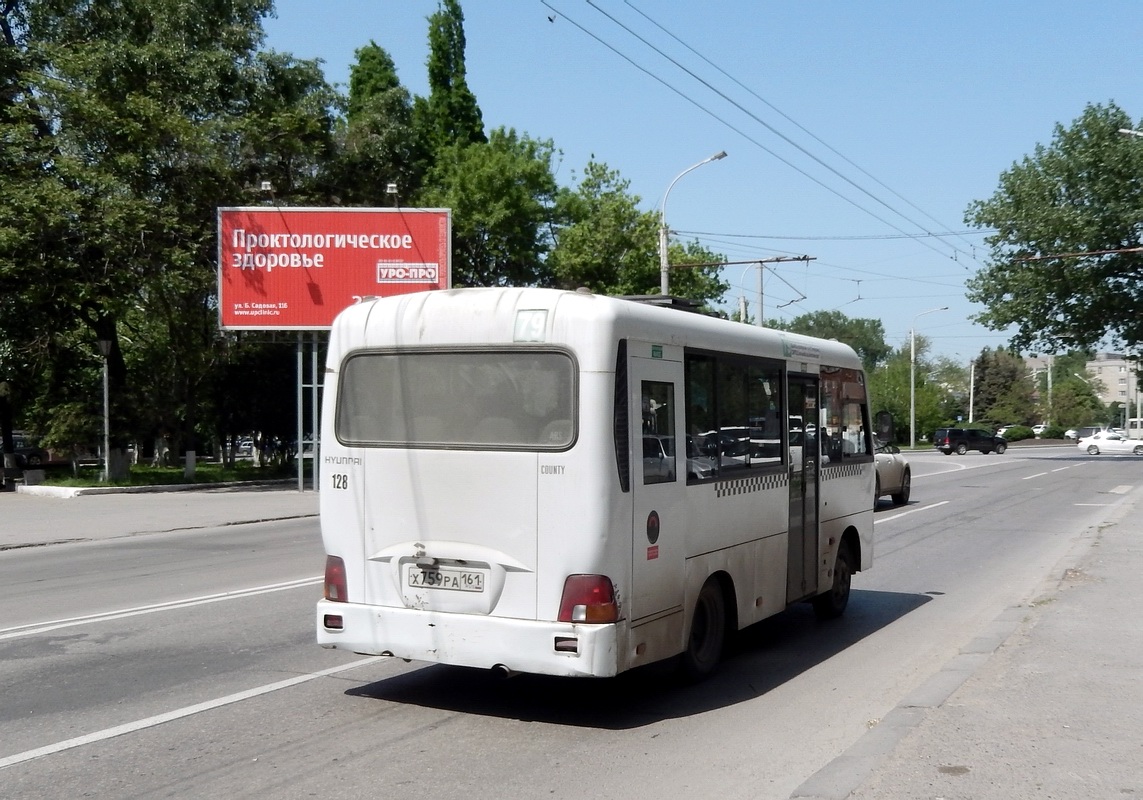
918, 105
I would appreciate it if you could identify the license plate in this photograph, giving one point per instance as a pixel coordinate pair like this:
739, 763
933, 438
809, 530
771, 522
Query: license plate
456, 580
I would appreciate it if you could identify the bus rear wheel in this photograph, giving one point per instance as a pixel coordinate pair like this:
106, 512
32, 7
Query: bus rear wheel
831, 604
708, 633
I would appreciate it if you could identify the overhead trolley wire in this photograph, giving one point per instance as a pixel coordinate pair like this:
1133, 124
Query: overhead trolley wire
767, 126
740, 132
804, 129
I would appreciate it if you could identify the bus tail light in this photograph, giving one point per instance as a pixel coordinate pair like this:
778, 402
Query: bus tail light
335, 588
588, 598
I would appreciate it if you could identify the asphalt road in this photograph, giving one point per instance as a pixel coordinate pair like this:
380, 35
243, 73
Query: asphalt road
183, 663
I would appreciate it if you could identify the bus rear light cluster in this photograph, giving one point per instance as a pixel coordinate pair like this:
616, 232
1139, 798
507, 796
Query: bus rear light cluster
335, 588
588, 598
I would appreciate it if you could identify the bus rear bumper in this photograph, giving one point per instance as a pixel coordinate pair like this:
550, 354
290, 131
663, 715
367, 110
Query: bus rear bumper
472, 640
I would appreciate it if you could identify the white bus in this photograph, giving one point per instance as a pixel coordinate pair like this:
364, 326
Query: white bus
562, 483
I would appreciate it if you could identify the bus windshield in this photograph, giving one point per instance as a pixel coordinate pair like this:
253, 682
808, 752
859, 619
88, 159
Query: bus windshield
502, 399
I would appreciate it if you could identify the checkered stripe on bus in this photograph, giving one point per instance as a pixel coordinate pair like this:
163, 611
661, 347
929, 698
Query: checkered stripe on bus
842, 471
756, 483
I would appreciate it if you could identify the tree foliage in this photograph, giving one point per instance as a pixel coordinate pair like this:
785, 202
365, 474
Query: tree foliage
379, 142
128, 124
1067, 219
889, 391
501, 193
866, 336
605, 243
125, 125
450, 114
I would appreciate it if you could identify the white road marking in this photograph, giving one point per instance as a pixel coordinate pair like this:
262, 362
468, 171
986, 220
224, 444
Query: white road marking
1037, 475
43, 627
179, 713
911, 511
1121, 489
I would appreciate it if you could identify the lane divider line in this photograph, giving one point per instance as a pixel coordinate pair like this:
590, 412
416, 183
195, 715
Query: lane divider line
44, 627
179, 713
911, 511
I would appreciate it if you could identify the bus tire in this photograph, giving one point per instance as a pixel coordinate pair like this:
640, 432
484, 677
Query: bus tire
708, 632
831, 604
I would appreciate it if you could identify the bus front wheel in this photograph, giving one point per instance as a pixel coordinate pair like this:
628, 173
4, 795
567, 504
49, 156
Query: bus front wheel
831, 604
708, 632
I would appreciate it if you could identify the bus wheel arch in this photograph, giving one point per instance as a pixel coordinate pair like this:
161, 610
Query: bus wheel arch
713, 619
832, 603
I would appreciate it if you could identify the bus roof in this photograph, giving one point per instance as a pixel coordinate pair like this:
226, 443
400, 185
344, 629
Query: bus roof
588, 323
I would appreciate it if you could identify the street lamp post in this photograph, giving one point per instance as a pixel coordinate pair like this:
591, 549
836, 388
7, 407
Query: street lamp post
913, 375
105, 351
664, 267
971, 387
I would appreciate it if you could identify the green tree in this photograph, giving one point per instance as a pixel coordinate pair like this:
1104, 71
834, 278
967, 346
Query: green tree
126, 125
866, 336
450, 115
379, 143
889, 391
1075, 404
1004, 388
605, 243
501, 194
1067, 220
1063, 369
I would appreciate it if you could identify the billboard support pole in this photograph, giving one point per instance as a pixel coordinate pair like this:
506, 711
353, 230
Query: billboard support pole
314, 401
301, 407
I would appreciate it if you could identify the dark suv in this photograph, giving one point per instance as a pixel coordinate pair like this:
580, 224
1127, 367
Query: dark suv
961, 440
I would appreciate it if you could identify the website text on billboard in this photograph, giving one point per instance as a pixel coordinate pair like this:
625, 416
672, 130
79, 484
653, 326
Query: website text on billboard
296, 268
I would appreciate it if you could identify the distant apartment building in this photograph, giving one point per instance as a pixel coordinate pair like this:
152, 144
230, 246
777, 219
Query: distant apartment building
1116, 378
1112, 375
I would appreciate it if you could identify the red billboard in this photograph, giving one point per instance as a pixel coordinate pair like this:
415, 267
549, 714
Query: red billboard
296, 268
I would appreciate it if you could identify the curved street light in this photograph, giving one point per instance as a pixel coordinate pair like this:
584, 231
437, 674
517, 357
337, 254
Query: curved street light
913, 375
664, 267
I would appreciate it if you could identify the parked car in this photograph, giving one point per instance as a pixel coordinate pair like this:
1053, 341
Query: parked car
894, 478
1039, 428
28, 451
1109, 442
1082, 433
961, 440
1003, 429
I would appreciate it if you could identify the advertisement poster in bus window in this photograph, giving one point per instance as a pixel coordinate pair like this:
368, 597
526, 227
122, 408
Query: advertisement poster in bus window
296, 268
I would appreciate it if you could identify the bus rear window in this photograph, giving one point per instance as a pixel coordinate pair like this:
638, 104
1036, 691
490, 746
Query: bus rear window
480, 399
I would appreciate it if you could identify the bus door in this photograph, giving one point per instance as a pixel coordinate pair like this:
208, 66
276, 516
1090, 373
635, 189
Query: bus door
658, 483
801, 577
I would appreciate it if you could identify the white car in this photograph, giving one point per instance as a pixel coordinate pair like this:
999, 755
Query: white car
1110, 442
893, 474
1039, 428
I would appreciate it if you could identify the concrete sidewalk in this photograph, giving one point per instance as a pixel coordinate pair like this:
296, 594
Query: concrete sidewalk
44, 515
1046, 703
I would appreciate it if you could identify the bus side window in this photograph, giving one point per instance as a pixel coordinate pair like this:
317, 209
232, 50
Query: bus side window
659, 452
